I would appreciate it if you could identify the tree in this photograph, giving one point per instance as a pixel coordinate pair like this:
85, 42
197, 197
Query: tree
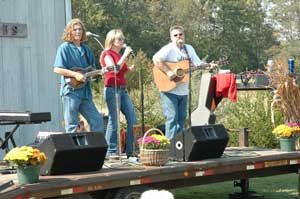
214, 27
285, 17
243, 32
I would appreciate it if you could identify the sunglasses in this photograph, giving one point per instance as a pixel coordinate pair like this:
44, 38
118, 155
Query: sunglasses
120, 39
179, 34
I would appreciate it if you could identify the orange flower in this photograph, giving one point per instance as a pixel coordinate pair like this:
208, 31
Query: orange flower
25, 156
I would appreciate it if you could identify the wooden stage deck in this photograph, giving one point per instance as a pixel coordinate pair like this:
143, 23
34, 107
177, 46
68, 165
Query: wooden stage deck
236, 163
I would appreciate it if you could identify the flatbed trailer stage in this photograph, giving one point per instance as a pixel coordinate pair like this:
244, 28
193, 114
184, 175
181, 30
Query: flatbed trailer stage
235, 164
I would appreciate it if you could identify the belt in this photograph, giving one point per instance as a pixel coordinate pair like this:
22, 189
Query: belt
118, 87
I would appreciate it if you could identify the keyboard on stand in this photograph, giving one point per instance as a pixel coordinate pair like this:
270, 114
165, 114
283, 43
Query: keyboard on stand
18, 118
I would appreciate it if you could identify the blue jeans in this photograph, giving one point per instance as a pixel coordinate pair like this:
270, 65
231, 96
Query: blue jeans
73, 105
174, 109
126, 107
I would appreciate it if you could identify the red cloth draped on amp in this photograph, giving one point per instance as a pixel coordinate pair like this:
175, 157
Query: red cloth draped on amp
225, 84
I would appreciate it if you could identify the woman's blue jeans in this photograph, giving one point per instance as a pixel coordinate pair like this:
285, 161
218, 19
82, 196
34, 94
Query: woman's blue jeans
174, 109
126, 107
73, 105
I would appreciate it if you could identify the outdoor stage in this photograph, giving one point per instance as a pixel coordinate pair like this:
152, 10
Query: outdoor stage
236, 163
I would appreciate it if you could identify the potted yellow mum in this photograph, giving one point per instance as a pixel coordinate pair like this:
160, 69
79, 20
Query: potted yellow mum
286, 134
27, 161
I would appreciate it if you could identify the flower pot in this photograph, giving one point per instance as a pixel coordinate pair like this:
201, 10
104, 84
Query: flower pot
28, 174
287, 144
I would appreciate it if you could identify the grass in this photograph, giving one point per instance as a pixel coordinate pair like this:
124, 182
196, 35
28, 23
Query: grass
274, 187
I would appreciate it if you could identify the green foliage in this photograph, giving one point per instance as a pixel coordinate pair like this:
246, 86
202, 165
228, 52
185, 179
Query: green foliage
238, 29
151, 99
285, 17
252, 111
243, 33
152, 105
289, 49
274, 187
234, 28
142, 71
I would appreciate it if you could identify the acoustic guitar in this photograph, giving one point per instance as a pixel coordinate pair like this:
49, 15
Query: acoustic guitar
181, 69
87, 72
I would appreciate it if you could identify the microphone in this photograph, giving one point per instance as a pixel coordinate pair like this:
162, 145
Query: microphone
92, 34
132, 53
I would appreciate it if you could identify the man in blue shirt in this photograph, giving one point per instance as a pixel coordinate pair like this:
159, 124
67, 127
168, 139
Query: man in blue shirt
73, 53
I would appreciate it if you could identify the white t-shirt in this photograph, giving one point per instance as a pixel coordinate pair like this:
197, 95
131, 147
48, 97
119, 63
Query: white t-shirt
171, 53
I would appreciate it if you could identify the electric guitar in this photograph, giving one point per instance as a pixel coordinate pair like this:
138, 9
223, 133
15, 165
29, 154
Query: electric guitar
87, 72
181, 70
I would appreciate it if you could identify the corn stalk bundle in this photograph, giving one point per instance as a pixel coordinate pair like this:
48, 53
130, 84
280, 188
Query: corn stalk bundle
286, 92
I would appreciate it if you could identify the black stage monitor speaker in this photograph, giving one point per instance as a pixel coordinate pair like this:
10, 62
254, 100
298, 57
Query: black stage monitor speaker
199, 142
73, 152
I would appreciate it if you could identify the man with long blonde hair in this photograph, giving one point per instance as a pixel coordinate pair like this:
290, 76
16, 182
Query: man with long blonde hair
72, 59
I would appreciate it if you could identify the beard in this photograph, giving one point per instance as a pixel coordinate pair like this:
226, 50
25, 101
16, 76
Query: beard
180, 42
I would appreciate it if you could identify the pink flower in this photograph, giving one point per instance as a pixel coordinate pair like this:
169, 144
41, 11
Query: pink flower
293, 124
149, 142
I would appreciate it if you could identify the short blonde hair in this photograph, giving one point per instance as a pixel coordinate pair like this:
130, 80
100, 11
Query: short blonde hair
67, 35
111, 36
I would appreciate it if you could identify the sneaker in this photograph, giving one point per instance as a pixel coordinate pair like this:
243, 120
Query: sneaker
129, 155
134, 160
109, 155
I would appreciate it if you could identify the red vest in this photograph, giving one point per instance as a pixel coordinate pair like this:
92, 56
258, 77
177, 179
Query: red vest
110, 76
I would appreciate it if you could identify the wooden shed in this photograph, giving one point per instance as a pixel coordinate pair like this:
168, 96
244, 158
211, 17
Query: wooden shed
30, 32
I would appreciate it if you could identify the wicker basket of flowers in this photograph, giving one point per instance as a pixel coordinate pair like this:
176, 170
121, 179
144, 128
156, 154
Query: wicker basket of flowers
154, 148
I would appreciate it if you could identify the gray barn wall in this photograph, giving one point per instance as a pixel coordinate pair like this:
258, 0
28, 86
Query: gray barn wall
27, 81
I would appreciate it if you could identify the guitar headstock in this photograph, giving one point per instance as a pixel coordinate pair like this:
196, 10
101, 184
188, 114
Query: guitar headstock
223, 60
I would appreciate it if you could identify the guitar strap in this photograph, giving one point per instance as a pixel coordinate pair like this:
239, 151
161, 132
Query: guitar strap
187, 54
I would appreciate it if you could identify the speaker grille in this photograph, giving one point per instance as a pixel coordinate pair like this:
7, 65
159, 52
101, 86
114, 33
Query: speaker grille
72, 153
200, 142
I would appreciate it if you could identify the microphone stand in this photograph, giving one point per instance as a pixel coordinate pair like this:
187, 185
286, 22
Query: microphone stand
189, 100
117, 104
117, 97
98, 42
190, 97
141, 79
142, 97
190, 87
